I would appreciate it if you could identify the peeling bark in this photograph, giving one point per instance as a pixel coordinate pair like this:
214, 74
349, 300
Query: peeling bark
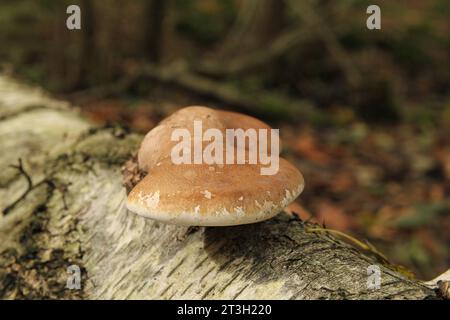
74, 213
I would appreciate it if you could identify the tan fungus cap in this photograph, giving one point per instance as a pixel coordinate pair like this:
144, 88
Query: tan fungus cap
205, 195
157, 145
208, 195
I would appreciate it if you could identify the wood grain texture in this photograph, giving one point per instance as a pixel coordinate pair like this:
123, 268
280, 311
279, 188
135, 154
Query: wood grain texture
75, 214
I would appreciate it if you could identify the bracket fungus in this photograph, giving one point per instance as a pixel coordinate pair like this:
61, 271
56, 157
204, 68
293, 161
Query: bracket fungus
209, 194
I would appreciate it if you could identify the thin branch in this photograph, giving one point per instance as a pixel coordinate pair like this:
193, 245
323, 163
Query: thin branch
242, 27
264, 103
284, 42
23, 172
99, 92
30, 186
315, 23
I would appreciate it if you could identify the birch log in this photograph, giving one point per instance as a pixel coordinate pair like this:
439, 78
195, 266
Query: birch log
65, 205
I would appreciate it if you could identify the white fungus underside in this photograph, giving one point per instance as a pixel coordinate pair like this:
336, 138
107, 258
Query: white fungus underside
148, 207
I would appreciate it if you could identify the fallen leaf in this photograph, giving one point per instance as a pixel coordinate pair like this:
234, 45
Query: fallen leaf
334, 217
307, 146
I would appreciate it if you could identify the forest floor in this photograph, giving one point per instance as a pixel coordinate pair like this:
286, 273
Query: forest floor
385, 184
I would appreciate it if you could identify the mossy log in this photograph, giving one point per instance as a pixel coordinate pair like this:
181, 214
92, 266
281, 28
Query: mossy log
64, 204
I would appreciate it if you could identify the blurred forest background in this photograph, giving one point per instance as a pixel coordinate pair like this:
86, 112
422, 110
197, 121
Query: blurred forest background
364, 114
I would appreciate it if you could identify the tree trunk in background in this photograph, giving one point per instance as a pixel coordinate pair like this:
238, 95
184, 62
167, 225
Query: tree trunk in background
87, 54
155, 12
74, 214
55, 57
257, 22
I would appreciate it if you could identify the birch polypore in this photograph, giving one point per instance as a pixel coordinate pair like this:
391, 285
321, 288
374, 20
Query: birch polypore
213, 193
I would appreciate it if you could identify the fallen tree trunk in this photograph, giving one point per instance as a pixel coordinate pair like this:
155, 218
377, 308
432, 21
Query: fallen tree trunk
64, 204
